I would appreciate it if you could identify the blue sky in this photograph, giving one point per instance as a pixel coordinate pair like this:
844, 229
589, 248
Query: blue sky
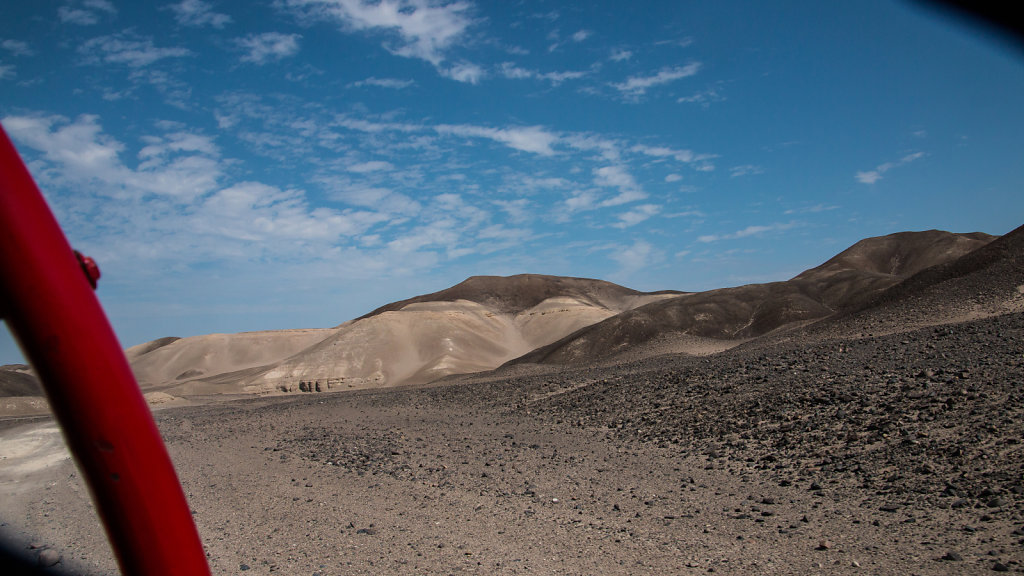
247, 165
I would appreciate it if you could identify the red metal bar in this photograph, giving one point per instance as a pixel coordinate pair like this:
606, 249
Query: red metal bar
47, 301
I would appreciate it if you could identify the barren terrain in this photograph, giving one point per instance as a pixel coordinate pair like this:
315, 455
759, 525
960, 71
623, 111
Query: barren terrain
886, 438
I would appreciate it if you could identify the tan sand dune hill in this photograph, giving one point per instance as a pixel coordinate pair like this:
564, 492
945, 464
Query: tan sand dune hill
424, 340
174, 361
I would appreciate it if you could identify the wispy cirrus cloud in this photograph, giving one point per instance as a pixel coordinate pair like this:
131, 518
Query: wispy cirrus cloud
701, 162
631, 259
533, 139
620, 55
371, 166
268, 47
636, 86
581, 35
513, 72
395, 83
17, 47
86, 12
128, 50
754, 230
637, 215
872, 176
817, 208
196, 13
745, 170
704, 97
616, 176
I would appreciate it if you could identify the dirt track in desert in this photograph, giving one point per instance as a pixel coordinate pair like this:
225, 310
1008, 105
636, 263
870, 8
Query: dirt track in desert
877, 454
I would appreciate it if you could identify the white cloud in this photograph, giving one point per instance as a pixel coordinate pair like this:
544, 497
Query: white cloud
179, 165
631, 259
372, 166
869, 177
513, 72
557, 78
616, 177
77, 149
745, 170
704, 98
872, 176
363, 125
395, 83
624, 197
379, 198
77, 16
637, 215
620, 54
673, 178
701, 161
581, 200
127, 50
610, 150
6, 71
636, 86
581, 35
813, 209
198, 13
101, 5
256, 212
86, 15
425, 29
748, 231
443, 232
533, 139
463, 72
17, 47
172, 209
517, 210
268, 46
159, 146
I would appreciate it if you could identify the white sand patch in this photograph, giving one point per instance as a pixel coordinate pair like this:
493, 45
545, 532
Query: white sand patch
30, 449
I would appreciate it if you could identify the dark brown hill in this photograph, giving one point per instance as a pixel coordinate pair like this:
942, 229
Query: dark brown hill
854, 276
846, 282
985, 282
512, 294
996, 268
17, 380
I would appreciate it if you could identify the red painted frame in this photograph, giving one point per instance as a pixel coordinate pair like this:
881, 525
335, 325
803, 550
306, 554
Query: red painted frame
48, 303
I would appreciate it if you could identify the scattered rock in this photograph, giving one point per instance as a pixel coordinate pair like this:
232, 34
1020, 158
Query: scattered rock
48, 557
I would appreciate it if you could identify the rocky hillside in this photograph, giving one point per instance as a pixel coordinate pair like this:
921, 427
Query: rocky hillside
846, 282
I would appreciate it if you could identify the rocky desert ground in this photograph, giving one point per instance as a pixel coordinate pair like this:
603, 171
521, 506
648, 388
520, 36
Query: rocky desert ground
867, 417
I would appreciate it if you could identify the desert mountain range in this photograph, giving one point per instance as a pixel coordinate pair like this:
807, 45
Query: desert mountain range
487, 321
